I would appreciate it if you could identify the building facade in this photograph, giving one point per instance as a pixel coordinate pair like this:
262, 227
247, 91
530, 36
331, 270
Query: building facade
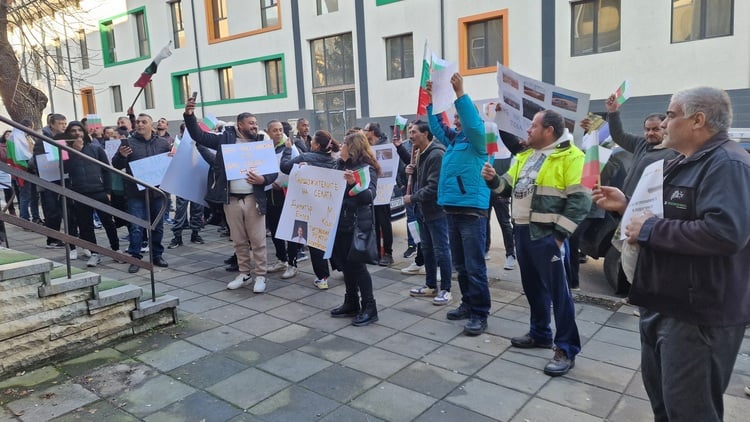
341, 63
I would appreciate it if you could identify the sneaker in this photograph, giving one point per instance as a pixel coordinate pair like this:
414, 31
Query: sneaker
747, 390
278, 266
169, 221
239, 281
73, 254
413, 268
175, 243
442, 298
559, 365
260, 284
411, 250
423, 291
321, 283
302, 256
196, 238
386, 260
290, 272
86, 253
55, 244
97, 225
37, 220
144, 248
94, 260
462, 312
510, 262
487, 256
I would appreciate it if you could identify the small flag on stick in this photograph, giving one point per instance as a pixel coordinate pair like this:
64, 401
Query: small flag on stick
623, 92
151, 69
361, 180
424, 98
401, 122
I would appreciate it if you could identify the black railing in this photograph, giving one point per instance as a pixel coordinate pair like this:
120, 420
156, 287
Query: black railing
66, 193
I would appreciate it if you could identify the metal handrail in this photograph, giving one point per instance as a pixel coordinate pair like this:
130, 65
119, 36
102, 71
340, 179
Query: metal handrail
97, 205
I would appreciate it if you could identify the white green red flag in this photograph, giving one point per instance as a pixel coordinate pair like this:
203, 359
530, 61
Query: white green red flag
623, 92
361, 180
401, 122
424, 98
596, 158
209, 122
151, 69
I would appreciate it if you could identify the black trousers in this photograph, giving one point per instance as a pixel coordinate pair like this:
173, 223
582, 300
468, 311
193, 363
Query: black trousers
356, 277
383, 228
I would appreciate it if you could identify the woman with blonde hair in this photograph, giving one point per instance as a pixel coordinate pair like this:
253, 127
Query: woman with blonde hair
356, 153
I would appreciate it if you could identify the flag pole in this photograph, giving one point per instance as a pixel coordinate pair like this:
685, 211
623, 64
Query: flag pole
136, 98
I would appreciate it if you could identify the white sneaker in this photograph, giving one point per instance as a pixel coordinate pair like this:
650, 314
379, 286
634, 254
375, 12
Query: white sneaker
747, 390
73, 254
290, 272
94, 260
86, 253
510, 262
239, 281
414, 269
443, 298
260, 284
321, 283
278, 266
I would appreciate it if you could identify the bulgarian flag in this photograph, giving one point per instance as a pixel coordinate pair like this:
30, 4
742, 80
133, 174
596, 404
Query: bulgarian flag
19, 148
151, 69
361, 180
401, 122
595, 160
209, 122
492, 136
93, 121
424, 98
623, 92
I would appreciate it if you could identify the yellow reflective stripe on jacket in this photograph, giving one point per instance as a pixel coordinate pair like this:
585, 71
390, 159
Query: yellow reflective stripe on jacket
550, 218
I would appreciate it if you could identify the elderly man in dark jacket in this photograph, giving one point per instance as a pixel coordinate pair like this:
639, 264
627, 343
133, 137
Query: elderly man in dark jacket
142, 144
244, 200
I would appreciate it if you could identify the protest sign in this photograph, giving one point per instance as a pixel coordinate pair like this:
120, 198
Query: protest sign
110, 148
187, 174
151, 169
313, 203
521, 97
647, 196
48, 170
388, 160
442, 89
241, 158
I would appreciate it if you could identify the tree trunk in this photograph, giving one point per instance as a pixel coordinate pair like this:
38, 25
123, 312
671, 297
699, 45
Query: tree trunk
22, 100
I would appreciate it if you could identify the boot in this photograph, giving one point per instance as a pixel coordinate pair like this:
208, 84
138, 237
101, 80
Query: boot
368, 315
350, 308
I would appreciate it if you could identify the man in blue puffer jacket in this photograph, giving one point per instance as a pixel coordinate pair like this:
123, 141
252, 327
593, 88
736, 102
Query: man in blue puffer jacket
464, 195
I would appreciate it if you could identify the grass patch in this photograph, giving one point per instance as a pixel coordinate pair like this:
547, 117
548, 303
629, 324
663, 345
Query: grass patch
107, 284
61, 271
9, 256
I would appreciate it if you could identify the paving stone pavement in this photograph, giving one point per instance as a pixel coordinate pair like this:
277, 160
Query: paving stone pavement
278, 356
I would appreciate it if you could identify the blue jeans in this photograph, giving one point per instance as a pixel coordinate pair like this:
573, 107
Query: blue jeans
436, 252
137, 208
467, 236
544, 282
28, 198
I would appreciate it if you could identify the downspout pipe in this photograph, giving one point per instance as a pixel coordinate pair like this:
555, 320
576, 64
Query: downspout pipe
197, 56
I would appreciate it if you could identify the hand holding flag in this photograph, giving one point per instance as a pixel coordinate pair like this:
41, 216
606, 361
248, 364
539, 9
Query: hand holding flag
361, 180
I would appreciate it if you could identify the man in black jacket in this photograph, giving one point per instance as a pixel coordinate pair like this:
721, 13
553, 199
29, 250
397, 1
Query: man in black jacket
691, 274
433, 223
244, 200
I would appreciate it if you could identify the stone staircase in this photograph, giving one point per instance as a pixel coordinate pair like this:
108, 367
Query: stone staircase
44, 314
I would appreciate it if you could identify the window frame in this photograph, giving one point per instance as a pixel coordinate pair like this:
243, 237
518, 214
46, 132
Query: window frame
214, 38
594, 29
178, 24
116, 92
108, 41
278, 73
702, 29
264, 8
319, 8
57, 44
226, 83
389, 59
84, 47
346, 72
463, 53
88, 93
148, 96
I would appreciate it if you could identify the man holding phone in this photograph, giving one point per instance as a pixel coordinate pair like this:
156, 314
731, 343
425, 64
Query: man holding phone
244, 200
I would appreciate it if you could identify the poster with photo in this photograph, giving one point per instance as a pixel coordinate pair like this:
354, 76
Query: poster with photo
521, 97
388, 160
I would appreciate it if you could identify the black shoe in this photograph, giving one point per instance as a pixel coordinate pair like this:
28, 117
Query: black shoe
528, 342
38, 221
410, 251
160, 262
462, 312
55, 244
232, 268
175, 243
132, 269
582, 259
196, 238
368, 315
348, 309
559, 365
476, 325
386, 260
231, 260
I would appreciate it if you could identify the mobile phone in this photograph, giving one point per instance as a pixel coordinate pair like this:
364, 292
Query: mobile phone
194, 96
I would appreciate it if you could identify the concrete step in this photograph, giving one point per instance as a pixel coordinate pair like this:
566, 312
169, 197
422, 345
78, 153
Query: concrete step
115, 295
64, 284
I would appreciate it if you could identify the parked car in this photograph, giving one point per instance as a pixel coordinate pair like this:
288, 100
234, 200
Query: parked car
398, 209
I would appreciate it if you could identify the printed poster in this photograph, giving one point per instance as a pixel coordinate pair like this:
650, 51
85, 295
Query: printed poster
388, 160
312, 207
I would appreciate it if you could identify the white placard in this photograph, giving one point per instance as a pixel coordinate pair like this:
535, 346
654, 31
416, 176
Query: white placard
388, 160
110, 148
313, 204
648, 195
258, 157
442, 89
48, 170
151, 169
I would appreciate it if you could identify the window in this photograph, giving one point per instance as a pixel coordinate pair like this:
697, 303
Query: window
148, 96
595, 27
87, 100
116, 98
225, 83
58, 55
142, 31
399, 53
269, 13
221, 22
108, 38
183, 89
483, 41
178, 27
700, 19
327, 6
334, 96
274, 77
84, 49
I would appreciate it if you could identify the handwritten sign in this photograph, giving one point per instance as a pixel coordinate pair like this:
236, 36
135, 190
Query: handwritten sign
313, 200
151, 169
257, 157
